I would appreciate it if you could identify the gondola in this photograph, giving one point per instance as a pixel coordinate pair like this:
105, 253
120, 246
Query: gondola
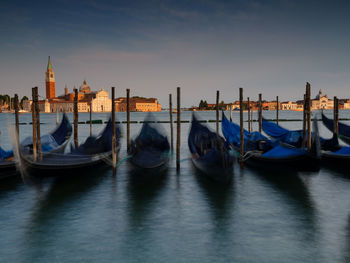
270, 155
344, 130
93, 152
294, 137
335, 155
275, 131
211, 154
150, 149
54, 142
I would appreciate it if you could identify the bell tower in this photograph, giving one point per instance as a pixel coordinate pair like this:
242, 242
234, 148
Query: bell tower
50, 81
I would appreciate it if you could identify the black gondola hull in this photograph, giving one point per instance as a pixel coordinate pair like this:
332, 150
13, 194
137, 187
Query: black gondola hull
336, 160
307, 163
215, 171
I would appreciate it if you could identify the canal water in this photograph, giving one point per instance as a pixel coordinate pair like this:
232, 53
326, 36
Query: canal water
170, 217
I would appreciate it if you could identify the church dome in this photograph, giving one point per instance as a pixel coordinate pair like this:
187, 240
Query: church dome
85, 88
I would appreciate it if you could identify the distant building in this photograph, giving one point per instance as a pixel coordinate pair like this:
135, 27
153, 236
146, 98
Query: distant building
321, 102
289, 105
98, 101
347, 105
138, 104
50, 81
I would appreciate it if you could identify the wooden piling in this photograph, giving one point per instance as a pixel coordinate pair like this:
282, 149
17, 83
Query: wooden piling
56, 115
230, 111
336, 116
251, 119
248, 114
277, 109
308, 112
260, 113
304, 123
171, 123
128, 119
90, 113
114, 140
16, 118
75, 116
37, 118
217, 111
241, 126
34, 125
178, 132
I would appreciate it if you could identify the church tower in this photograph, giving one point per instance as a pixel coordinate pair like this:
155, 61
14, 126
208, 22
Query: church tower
50, 81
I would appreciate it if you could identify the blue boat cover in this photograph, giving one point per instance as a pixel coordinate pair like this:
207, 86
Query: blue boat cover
281, 151
252, 140
100, 144
152, 135
5, 154
343, 151
275, 131
208, 147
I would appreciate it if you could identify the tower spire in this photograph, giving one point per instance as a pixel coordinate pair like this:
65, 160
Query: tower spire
49, 66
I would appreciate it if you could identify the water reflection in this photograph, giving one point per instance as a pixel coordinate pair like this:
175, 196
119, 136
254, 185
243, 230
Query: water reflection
296, 193
219, 196
347, 241
338, 171
49, 215
142, 189
9, 184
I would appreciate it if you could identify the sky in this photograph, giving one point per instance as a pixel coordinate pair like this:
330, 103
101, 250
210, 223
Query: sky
151, 47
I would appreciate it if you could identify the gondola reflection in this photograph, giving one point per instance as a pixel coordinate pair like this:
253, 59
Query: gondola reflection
296, 194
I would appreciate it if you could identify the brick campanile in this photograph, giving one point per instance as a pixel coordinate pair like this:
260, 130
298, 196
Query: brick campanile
50, 81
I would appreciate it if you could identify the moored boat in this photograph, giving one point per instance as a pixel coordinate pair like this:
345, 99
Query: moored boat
344, 130
271, 155
150, 149
54, 142
210, 152
94, 151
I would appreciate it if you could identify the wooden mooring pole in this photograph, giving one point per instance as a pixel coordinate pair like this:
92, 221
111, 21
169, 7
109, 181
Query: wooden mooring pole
90, 113
75, 117
114, 140
178, 129
16, 118
128, 120
248, 114
251, 119
56, 115
37, 118
34, 125
241, 126
171, 123
304, 123
277, 109
217, 111
336, 116
230, 111
260, 113
308, 114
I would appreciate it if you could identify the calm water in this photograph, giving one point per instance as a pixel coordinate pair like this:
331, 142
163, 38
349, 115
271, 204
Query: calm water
174, 217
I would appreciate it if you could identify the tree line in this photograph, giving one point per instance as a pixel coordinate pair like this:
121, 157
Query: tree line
203, 105
7, 102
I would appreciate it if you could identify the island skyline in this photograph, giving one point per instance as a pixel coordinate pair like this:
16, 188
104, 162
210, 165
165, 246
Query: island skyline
271, 47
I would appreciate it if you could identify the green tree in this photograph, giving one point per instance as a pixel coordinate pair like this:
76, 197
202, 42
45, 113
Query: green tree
22, 100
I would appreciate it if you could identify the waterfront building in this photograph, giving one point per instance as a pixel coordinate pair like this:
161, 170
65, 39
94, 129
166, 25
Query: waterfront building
347, 105
98, 101
321, 102
289, 105
138, 104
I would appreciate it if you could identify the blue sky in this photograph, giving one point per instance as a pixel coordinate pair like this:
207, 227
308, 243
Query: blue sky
151, 47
